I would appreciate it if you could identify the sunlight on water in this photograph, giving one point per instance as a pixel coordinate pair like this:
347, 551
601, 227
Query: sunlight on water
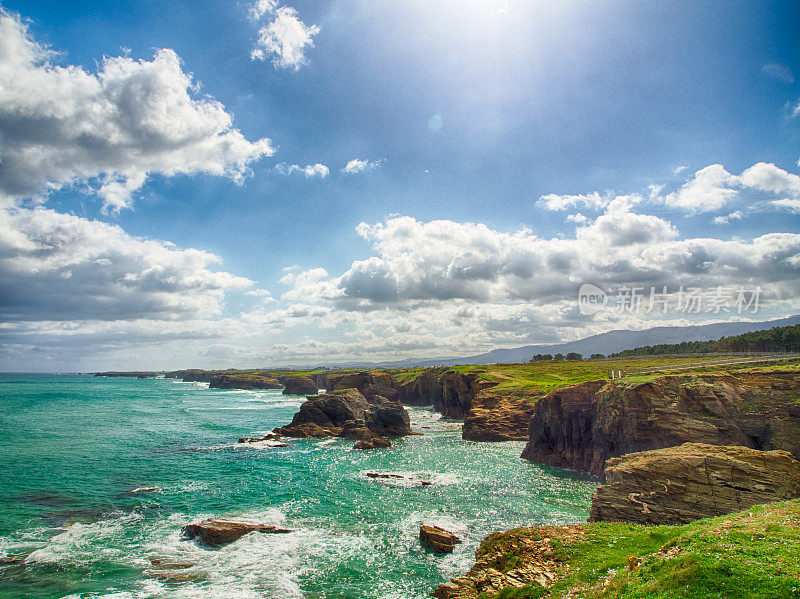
100, 475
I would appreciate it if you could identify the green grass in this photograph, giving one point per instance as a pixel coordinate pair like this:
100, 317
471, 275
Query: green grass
749, 555
538, 378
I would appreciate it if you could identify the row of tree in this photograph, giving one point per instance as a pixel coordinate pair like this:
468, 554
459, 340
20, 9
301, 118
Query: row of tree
571, 356
778, 339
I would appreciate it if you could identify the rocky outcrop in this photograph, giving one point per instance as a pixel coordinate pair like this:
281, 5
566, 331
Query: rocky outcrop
515, 558
218, 531
679, 484
437, 538
370, 383
300, 385
193, 375
498, 418
344, 411
238, 381
582, 426
373, 443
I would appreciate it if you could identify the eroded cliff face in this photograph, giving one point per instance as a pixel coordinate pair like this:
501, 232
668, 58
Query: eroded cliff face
582, 426
370, 384
676, 485
450, 392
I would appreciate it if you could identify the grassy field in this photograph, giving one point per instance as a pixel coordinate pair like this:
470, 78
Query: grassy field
537, 378
752, 554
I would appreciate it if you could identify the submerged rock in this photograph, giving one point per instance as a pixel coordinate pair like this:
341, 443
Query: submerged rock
692, 481
411, 480
437, 538
300, 385
267, 437
218, 531
373, 443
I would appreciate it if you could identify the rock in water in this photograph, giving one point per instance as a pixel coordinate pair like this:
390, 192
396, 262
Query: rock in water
300, 385
373, 443
330, 415
692, 481
437, 539
217, 531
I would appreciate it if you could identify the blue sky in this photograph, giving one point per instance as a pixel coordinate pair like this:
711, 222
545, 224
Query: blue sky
467, 114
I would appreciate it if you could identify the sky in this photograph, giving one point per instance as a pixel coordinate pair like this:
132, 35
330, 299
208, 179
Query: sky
251, 183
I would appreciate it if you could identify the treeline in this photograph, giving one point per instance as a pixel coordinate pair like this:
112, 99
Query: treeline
778, 339
571, 356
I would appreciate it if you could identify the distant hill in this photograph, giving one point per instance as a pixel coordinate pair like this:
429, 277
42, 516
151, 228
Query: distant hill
608, 343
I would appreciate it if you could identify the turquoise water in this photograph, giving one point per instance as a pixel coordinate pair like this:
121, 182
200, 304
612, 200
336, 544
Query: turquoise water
72, 448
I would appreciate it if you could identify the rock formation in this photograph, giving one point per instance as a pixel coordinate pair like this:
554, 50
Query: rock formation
370, 383
347, 411
218, 531
692, 481
516, 558
240, 381
581, 426
300, 385
437, 538
373, 443
498, 418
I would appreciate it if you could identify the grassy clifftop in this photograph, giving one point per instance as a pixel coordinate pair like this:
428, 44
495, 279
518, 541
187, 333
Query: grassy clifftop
752, 554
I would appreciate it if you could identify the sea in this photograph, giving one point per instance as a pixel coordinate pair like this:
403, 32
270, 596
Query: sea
98, 476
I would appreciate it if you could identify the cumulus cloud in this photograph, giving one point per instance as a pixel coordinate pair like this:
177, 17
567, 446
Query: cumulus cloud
310, 170
724, 220
262, 7
768, 177
592, 201
284, 40
110, 130
62, 267
418, 264
359, 166
710, 189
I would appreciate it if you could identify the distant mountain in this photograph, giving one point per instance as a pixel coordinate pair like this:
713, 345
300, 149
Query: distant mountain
607, 343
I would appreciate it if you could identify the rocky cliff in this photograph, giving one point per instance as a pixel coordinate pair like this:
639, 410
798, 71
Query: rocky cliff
449, 392
300, 385
345, 413
370, 383
692, 481
234, 381
582, 426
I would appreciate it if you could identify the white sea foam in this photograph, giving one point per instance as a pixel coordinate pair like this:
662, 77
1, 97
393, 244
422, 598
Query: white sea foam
402, 478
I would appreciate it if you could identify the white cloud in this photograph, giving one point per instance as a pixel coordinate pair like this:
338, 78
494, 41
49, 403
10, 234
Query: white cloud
710, 189
310, 170
577, 218
262, 7
62, 267
592, 201
724, 220
359, 166
768, 177
110, 130
679, 169
284, 40
790, 204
